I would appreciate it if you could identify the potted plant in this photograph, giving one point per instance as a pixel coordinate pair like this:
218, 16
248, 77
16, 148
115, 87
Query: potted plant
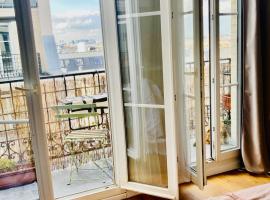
227, 101
13, 174
226, 131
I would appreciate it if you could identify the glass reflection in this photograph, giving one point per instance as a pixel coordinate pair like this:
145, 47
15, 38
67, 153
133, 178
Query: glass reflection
142, 79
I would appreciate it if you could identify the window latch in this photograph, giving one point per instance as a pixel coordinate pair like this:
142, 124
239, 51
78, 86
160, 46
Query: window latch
26, 89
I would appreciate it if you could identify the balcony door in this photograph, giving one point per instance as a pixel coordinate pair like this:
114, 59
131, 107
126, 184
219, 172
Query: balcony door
140, 93
189, 80
141, 79
24, 166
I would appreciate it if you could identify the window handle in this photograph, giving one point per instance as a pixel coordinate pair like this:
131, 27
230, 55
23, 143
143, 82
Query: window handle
26, 89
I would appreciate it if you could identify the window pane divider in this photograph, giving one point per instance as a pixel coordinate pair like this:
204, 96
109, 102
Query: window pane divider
228, 14
143, 105
215, 71
136, 15
229, 85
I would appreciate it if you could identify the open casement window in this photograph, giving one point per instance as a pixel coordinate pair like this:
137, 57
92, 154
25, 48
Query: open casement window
226, 76
28, 153
139, 59
223, 53
189, 79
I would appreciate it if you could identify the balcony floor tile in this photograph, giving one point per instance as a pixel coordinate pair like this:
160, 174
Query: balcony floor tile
88, 178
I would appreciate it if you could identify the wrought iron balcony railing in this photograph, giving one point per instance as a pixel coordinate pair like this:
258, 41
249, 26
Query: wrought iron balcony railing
15, 140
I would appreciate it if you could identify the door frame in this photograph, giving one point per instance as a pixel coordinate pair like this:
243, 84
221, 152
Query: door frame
228, 159
34, 101
197, 176
33, 97
116, 101
23, 18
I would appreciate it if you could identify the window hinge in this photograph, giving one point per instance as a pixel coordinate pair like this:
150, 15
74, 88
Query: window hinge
213, 129
175, 97
212, 17
213, 80
172, 15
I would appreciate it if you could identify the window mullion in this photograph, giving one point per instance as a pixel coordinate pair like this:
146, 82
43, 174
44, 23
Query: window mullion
215, 75
34, 100
239, 75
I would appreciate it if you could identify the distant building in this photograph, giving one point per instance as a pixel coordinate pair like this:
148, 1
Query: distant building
81, 61
53, 58
45, 42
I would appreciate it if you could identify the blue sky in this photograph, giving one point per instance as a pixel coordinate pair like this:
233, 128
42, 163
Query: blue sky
80, 19
58, 6
76, 19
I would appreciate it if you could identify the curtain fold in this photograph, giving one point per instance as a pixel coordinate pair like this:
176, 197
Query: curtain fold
256, 86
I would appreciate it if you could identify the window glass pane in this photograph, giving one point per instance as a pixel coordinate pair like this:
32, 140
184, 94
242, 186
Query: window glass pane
69, 44
228, 6
207, 82
18, 178
229, 82
137, 6
187, 5
142, 80
189, 89
143, 63
147, 161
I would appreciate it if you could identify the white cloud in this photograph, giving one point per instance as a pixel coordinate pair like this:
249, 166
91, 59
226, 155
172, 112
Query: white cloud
77, 25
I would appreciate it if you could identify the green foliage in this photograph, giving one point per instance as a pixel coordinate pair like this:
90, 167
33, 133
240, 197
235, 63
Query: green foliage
7, 165
227, 122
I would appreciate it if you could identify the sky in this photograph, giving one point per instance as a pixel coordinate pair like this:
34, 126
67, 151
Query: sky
74, 20
61, 6
80, 19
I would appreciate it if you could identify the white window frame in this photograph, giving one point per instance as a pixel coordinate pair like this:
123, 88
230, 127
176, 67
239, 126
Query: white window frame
37, 125
228, 159
116, 100
23, 19
197, 176
33, 98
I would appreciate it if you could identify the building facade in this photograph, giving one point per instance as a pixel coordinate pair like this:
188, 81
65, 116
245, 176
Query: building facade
9, 45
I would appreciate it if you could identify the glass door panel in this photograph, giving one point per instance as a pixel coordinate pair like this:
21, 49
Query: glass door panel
73, 84
209, 137
137, 6
145, 88
192, 89
229, 75
18, 179
142, 79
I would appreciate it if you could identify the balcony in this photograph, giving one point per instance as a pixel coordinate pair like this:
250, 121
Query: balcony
16, 155
15, 141
225, 107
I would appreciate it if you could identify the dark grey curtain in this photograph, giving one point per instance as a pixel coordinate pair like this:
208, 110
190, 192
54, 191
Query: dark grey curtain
256, 86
